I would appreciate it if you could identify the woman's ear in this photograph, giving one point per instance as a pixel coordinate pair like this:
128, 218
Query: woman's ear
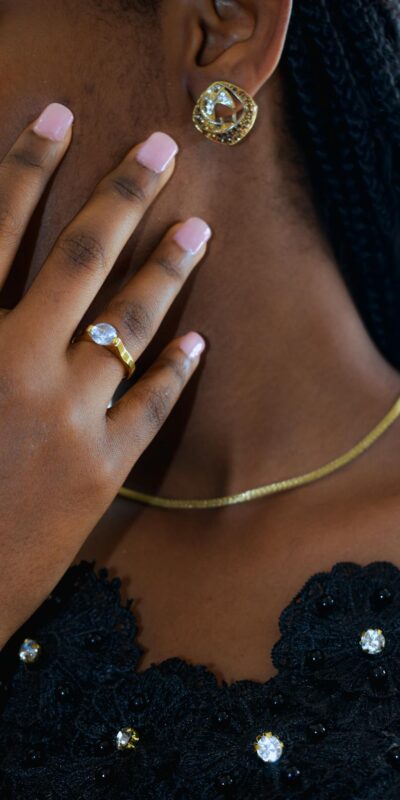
240, 41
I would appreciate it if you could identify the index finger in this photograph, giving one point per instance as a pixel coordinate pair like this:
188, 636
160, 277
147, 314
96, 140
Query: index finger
24, 173
86, 250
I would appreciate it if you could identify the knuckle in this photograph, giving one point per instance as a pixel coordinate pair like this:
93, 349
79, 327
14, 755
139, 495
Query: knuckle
127, 187
157, 406
176, 367
82, 250
26, 158
134, 318
169, 266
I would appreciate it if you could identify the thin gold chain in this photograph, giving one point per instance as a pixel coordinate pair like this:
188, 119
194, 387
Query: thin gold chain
278, 486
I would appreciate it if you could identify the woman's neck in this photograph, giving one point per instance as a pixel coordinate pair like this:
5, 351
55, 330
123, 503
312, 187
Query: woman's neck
291, 378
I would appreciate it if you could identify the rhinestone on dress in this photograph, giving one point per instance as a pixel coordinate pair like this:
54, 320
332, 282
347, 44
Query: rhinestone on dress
103, 333
268, 747
126, 739
29, 651
372, 641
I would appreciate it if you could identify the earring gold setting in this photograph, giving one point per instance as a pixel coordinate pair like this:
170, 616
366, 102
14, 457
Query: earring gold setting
239, 113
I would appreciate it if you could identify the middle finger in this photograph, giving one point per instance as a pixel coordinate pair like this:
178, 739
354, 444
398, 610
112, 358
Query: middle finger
86, 250
137, 311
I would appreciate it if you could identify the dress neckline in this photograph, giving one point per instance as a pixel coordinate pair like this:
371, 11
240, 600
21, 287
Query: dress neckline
317, 588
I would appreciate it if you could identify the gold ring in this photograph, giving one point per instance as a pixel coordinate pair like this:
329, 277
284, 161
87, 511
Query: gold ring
106, 336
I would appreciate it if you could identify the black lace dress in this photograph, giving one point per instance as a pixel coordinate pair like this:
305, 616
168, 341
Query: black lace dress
78, 723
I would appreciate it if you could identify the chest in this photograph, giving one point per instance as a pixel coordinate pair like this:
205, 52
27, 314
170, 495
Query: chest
213, 594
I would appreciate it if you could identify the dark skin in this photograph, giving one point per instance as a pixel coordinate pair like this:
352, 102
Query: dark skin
290, 379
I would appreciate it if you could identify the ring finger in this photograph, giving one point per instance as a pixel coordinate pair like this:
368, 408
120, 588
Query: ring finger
137, 311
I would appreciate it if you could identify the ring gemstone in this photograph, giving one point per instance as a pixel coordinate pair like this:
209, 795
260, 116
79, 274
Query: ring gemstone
103, 333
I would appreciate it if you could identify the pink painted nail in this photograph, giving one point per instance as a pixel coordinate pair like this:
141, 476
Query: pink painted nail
192, 235
54, 122
157, 152
192, 344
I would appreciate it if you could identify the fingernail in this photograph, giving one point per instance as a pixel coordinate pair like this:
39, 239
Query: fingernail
54, 122
157, 152
192, 235
192, 344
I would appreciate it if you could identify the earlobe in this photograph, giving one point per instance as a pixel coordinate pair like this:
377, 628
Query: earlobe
242, 42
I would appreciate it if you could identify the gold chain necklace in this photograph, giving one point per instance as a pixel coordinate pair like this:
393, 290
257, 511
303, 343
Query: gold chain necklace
271, 488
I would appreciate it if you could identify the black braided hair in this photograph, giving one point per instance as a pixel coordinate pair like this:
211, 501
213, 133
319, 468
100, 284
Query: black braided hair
342, 70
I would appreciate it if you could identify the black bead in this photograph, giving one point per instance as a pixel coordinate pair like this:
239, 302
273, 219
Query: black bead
277, 701
393, 756
382, 597
290, 774
64, 693
103, 776
94, 642
4, 692
315, 659
104, 747
139, 702
325, 605
378, 675
221, 720
226, 785
316, 731
116, 584
34, 756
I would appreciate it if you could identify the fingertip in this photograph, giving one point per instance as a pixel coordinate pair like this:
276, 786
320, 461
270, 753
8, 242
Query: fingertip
192, 344
54, 123
192, 235
158, 152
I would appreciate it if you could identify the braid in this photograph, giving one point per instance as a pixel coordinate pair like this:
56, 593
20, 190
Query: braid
342, 71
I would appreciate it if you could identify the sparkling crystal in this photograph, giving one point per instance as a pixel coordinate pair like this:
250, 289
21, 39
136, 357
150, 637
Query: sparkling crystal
372, 641
268, 747
126, 739
29, 651
225, 99
209, 106
103, 333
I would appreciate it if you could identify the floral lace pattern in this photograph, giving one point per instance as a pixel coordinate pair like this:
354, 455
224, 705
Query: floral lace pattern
334, 704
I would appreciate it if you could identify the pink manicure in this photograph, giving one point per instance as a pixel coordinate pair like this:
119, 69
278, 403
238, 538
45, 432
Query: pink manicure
192, 235
192, 344
54, 122
157, 152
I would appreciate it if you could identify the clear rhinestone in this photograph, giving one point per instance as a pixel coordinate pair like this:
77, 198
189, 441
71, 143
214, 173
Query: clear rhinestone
268, 747
225, 99
372, 641
126, 739
209, 106
29, 651
103, 333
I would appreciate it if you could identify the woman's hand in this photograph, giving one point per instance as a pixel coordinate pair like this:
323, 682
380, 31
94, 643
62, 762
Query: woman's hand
64, 454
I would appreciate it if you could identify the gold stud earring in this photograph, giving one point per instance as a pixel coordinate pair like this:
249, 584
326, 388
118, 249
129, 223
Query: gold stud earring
237, 115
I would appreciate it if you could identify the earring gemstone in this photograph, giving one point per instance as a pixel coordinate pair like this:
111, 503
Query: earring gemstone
225, 113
